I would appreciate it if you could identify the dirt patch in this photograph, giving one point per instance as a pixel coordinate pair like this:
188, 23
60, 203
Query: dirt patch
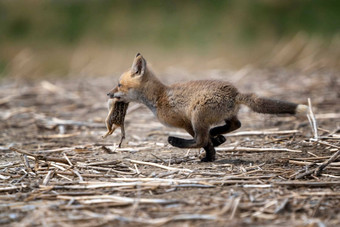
56, 170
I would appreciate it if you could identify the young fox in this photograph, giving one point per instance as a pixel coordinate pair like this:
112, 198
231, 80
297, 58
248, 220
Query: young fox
194, 106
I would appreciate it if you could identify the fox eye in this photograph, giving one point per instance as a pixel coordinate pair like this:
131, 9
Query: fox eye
119, 85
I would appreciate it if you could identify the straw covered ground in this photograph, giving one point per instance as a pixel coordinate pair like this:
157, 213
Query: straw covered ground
55, 169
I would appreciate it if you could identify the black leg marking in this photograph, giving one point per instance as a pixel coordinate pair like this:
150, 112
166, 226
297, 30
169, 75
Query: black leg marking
230, 125
179, 142
218, 140
220, 129
201, 139
210, 153
216, 133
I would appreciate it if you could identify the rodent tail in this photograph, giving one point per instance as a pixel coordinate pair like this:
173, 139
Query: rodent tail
270, 106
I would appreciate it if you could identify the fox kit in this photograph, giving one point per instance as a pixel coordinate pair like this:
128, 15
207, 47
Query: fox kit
195, 106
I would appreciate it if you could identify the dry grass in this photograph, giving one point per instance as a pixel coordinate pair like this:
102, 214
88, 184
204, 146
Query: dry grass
56, 170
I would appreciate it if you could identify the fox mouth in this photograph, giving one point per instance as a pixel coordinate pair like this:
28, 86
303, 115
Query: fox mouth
112, 96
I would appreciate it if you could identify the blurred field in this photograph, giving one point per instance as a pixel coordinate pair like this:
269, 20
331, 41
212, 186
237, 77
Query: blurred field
61, 38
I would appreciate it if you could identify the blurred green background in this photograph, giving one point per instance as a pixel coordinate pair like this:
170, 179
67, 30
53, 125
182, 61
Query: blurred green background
62, 38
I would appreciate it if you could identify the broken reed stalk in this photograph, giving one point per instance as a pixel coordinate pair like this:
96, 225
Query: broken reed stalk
264, 133
244, 133
158, 221
306, 163
319, 169
40, 157
48, 177
160, 166
307, 183
115, 199
67, 159
12, 188
312, 121
114, 162
236, 204
78, 175
254, 149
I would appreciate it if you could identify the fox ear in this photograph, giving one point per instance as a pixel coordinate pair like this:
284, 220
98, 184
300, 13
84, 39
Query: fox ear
139, 65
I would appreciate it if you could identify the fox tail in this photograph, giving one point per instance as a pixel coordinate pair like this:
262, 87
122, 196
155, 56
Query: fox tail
270, 106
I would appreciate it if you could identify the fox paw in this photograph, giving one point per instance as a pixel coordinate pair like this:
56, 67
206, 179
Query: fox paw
218, 140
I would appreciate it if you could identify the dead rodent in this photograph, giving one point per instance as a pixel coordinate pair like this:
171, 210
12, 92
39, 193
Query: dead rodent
115, 118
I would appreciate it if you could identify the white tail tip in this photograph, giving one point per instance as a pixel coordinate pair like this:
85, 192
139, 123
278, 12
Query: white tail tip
302, 109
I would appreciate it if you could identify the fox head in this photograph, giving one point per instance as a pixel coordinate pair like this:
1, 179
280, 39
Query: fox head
131, 82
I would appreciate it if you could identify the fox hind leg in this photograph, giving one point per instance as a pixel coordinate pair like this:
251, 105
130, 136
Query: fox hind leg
200, 134
215, 133
181, 143
218, 140
210, 152
231, 125
201, 139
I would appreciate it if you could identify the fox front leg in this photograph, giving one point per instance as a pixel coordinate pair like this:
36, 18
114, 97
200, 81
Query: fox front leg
201, 139
181, 143
210, 152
